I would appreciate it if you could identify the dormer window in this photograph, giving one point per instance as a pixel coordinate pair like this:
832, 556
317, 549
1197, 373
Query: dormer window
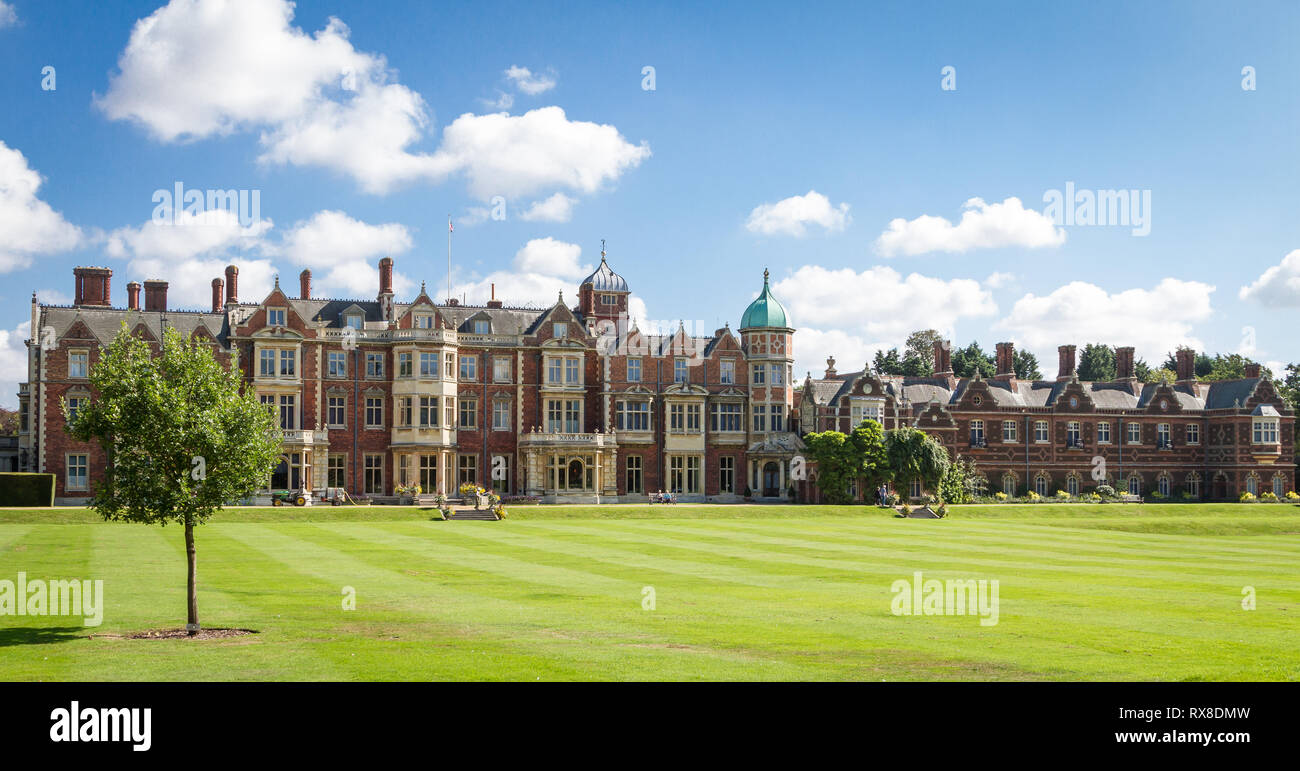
354, 321
424, 321
482, 327
560, 329
275, 317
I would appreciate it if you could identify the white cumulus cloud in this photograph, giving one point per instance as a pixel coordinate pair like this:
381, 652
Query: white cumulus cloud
201, 68
343, 253
982, 226
875, 308
557, 208
28, 226
1155, 321
8, 16
1277, 287
529, 83
13, 362
521, 155
792, 216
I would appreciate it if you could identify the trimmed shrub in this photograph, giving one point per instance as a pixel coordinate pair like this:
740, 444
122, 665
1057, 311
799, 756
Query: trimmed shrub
26, 489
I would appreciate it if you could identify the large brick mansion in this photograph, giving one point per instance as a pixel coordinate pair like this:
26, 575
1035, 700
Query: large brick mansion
573, 403
566, 403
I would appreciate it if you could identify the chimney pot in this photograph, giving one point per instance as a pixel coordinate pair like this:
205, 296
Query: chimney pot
1185, 361
1252, 369
304, 285
133, 296
217, 287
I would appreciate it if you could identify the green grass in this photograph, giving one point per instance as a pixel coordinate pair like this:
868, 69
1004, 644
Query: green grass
1108, 592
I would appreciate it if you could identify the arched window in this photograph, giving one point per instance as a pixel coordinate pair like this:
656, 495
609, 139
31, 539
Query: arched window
1040, 484
1279, 486
1252, 484
1072, 484
1135, 485
1193, 485
1009, 485
1162, 484
915, 492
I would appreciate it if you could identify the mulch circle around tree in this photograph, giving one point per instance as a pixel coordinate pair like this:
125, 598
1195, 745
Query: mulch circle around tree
181, 634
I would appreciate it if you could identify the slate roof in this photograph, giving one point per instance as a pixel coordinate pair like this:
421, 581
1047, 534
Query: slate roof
1043, 393
104, 323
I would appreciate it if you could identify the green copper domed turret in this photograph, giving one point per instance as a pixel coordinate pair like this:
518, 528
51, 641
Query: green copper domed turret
765, 311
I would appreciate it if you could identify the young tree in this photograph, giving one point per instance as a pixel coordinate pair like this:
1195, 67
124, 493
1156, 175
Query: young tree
911, 454
180, 436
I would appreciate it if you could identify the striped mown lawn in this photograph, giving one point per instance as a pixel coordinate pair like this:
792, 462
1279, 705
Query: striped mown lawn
1086, 593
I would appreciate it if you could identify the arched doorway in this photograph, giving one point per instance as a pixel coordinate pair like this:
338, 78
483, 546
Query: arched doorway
576, 475
771, 479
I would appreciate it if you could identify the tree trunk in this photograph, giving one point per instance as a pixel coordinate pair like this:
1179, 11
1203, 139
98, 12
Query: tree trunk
192, 626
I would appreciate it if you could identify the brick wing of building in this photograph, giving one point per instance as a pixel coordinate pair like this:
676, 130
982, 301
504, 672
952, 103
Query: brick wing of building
1206, 440
566, 403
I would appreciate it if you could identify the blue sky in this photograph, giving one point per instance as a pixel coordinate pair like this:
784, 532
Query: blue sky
778, 136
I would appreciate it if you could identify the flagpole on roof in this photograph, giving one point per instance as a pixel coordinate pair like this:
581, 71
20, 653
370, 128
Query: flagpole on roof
449, 231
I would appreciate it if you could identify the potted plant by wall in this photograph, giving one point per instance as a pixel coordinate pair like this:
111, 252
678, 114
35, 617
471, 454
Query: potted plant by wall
749, 494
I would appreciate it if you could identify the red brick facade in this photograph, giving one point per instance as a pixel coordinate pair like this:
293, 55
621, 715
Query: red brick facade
1184, 440
567, 403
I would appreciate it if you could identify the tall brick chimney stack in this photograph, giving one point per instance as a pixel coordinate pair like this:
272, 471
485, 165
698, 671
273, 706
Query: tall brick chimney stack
387, 307
1252, 369
1006, 360
94, 286
943, 362
217, 286
155, 295
1185, 360
494, 302
942, 357
304, 285
232, 285
133, 295
1065, 362
1125, 369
